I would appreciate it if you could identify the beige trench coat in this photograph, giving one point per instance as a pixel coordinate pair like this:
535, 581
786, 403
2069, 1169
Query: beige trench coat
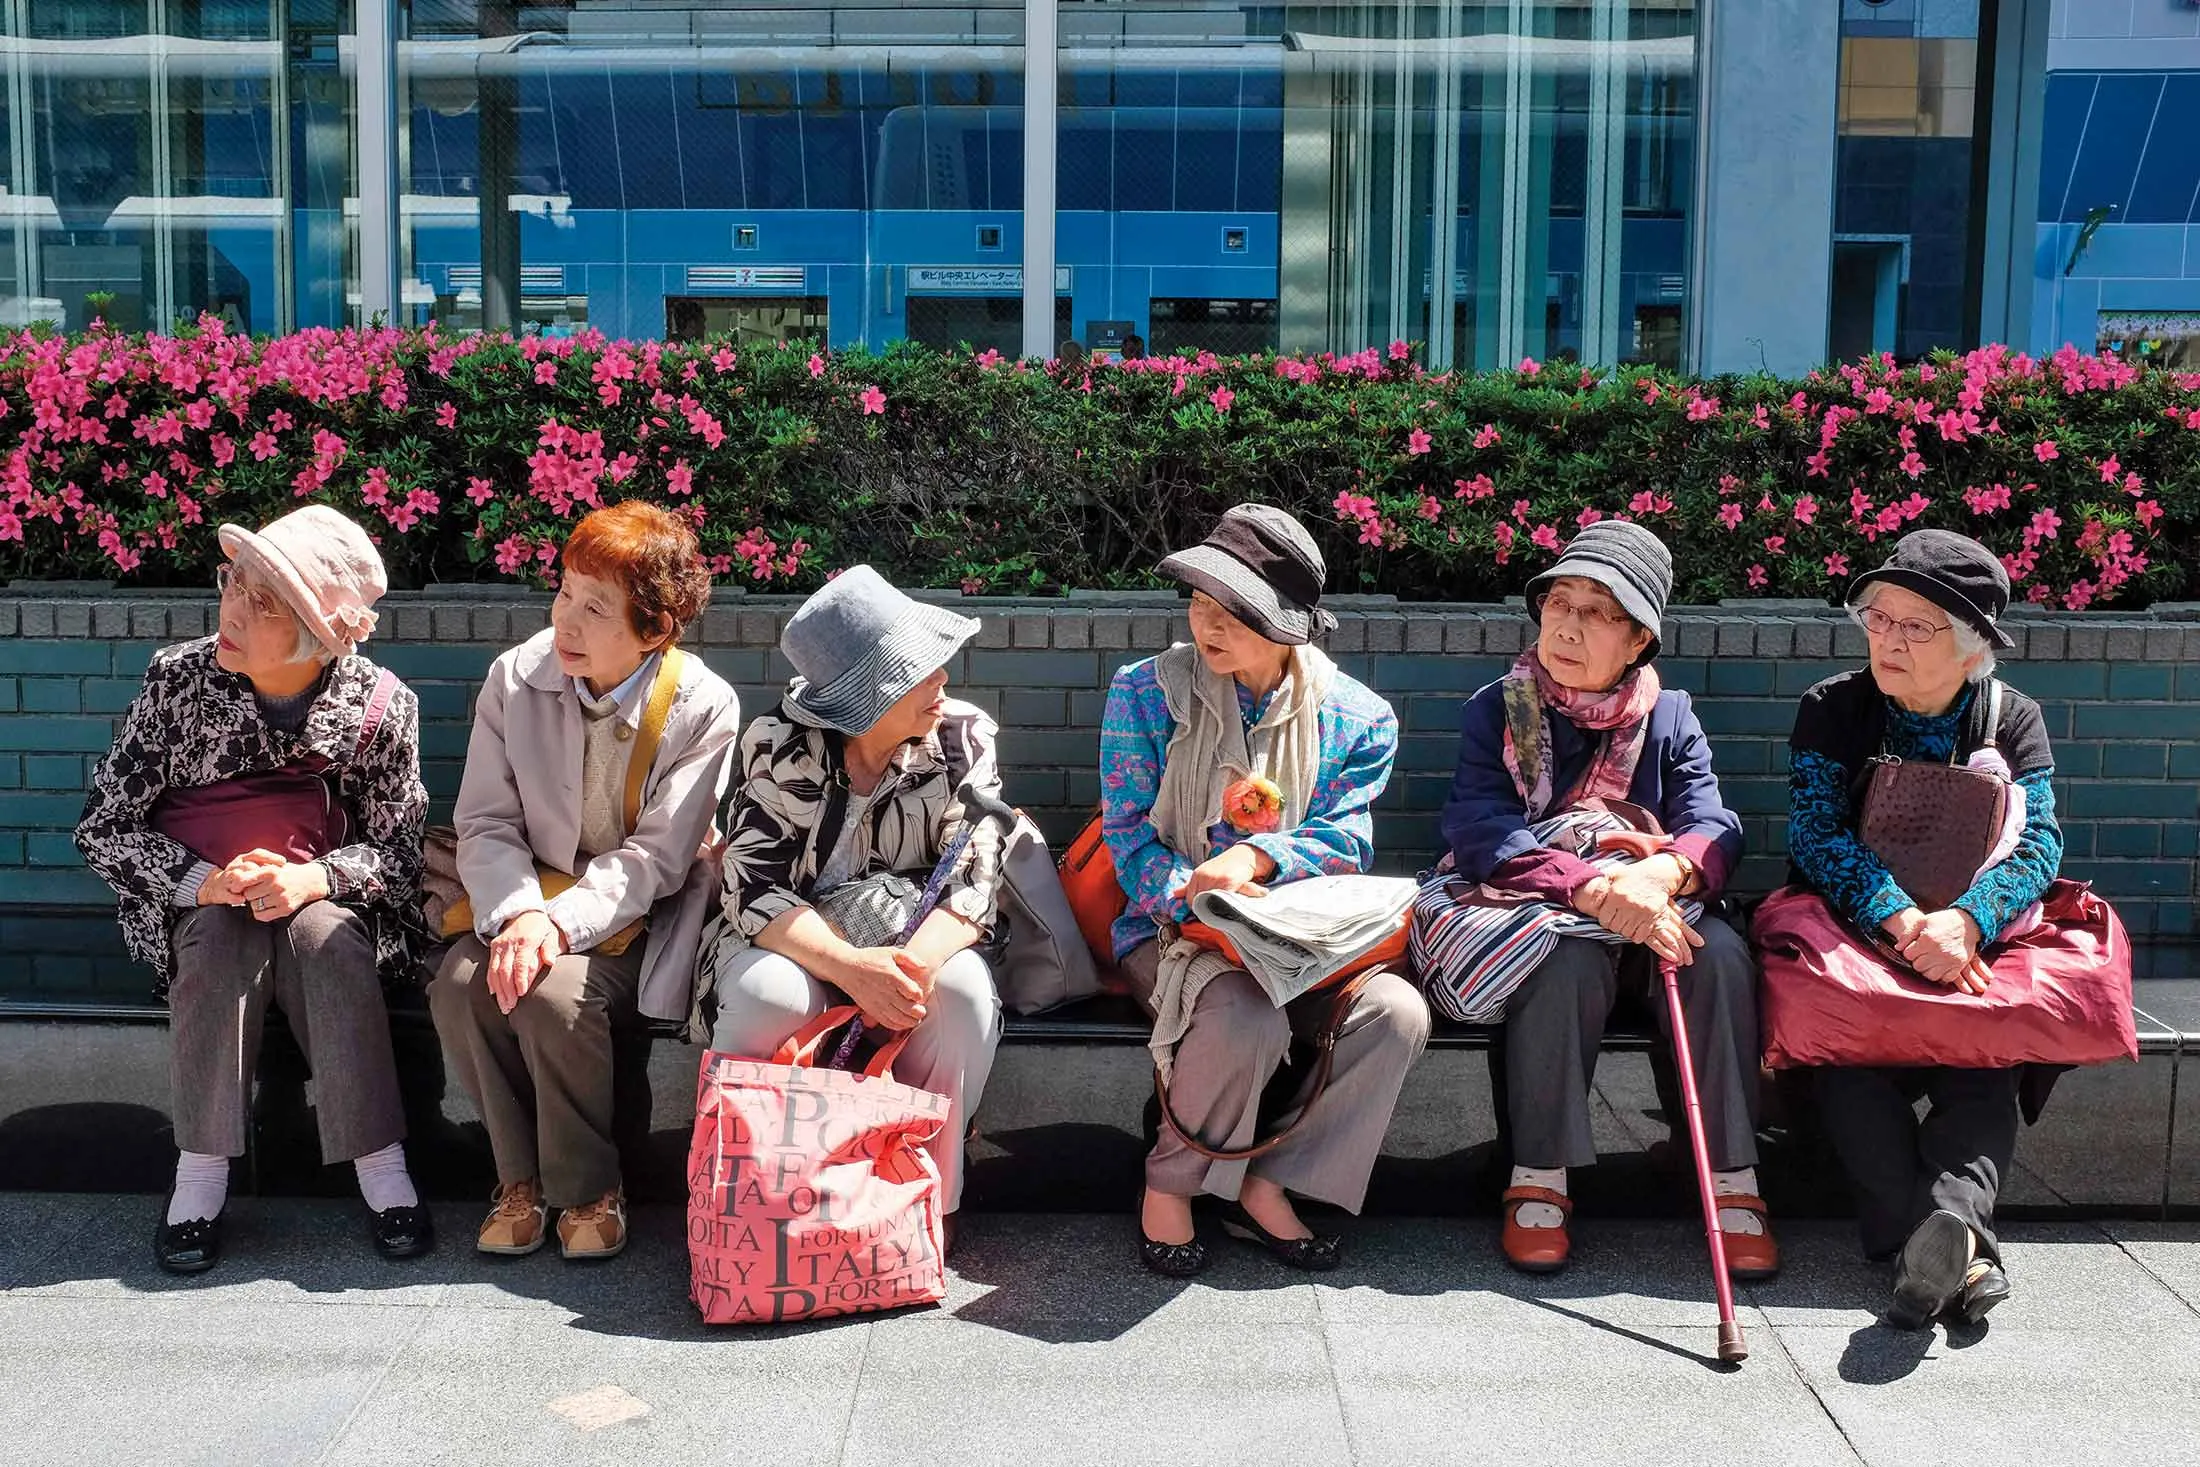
520, 802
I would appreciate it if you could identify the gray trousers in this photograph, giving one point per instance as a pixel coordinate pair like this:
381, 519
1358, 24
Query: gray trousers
764, 998
1901, 1167
1554, 1025
1235, 1044
317, 966
541, 1075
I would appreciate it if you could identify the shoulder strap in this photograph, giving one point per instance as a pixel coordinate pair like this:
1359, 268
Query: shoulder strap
1993, 712
659, 708
378, 703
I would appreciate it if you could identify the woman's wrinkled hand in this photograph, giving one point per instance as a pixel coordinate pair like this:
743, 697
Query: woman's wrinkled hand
1943, 948
1637, 907
272, 887
518, 955
1241, 868
889, 985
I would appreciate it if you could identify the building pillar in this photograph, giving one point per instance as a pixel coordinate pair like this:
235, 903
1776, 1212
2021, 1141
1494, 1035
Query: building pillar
1761, 268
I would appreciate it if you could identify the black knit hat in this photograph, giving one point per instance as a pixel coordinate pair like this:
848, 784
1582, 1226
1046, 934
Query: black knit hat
1955, 573
1265, 570
1625, 559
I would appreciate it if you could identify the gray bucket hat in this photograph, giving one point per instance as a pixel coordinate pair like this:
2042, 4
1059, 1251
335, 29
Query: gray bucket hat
859, 646
1265, 570
1625, 559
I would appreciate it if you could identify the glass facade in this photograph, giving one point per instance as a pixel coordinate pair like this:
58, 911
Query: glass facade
1496, 180
167, 157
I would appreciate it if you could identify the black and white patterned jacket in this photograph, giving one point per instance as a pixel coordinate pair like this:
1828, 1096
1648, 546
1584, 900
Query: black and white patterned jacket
788, 771
194, 723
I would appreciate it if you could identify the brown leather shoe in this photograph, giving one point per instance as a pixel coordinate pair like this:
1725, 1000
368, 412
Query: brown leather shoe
596, 1229
1752, 1258
517, 1221
1535, 1250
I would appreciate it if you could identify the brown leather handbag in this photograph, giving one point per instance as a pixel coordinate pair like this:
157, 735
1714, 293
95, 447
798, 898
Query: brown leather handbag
1933, 825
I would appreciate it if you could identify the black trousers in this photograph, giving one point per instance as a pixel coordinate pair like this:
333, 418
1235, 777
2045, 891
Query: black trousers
1901, 1167
1554, 1024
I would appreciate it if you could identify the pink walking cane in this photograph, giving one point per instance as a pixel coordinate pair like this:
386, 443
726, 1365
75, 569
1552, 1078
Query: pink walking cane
1731, 1344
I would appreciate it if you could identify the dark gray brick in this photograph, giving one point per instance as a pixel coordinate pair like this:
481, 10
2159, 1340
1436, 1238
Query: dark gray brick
1034, 669
110, 619
2088, 642
1030, 629
11, 619
2133, 839
1111, 630
1023, 708
1151, 633
1848, 641
1072, 630
412, 624
2126, 643
1505, 636
721, 626
1463, 634
148, 621
192, 619
451, 623
1350, 635
1775, 639
2165, 644
38, 620
1386, 631
492, 625
1425, 633
994, 632
758, 629
1814, 639
1737, 638
74, 619
2045, 643
1695, 639
1740, 677
528, 620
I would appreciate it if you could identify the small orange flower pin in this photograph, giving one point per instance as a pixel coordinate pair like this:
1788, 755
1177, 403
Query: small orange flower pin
1253, 806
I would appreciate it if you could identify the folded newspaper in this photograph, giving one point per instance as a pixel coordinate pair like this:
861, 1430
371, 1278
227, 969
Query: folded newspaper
1302, 933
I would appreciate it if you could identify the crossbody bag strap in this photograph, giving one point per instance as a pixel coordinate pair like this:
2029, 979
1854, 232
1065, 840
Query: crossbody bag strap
662, 689
1346, 995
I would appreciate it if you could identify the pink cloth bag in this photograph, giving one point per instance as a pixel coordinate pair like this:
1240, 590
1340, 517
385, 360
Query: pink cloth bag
809, 1191
2061, 993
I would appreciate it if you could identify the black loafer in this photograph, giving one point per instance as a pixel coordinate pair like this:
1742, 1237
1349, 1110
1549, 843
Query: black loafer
1173, 1260
191, 1246
1929, 1271
402, 1232
1985, 1288
1314, 1255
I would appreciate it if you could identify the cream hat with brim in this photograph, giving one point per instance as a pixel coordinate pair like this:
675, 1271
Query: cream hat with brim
322, 565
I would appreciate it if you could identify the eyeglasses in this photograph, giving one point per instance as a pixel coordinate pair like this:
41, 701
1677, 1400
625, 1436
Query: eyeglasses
260, 603
1596, 618
1913, 629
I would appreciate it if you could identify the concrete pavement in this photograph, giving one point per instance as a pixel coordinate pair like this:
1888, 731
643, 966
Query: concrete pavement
305, 1348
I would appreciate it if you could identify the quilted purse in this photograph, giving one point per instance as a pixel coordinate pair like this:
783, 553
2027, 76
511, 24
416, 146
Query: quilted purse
1933, 825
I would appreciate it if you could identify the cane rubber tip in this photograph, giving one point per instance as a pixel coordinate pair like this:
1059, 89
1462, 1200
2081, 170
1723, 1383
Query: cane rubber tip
1732, 1347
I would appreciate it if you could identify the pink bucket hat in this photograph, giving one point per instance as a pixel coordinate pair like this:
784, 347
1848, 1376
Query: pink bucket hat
323, 565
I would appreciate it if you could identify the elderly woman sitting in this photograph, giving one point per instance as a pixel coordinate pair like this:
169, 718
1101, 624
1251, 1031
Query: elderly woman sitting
259, 818
859, 772
1582, 718
598, 757
1926, 1188
1250, 695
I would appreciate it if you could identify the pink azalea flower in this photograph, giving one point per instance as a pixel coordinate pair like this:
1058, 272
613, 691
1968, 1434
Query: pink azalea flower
1757, 577
1837, 565
480, 490
1400, 351
680, 479
1912, 464
446, 415
1481, 486
2046, 524
1530, 367
1730, 515
722, 360
1545, 536
1776, 544
817, 365
1432, 508
546, 371
2111, 470
873, 400
1222, 397
2148, 512
1417, 442
1487, 436
1350, 506
2046, 451
1588, 517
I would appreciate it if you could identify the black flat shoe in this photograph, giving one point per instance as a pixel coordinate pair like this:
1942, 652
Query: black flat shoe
191, 1246
1314, 1255
1981, 1292
402, 1232
1929, 1271
1170, 1260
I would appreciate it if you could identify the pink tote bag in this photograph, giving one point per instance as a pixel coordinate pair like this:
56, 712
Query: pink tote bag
809, 1191
2061, 993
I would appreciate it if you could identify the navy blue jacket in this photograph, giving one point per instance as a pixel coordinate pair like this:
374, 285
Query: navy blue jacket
1485, 820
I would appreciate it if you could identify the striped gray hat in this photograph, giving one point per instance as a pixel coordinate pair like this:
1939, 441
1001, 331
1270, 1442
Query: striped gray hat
859, 646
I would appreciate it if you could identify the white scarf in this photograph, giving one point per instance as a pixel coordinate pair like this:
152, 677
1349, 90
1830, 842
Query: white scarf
1210, 750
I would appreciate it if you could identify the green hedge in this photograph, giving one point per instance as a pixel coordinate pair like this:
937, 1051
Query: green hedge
469, 457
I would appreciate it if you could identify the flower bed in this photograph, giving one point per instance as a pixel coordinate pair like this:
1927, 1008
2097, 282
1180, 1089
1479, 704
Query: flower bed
469, 456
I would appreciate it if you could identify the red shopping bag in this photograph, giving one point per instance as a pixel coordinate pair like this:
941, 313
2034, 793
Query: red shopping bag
2061, 992
809, 1191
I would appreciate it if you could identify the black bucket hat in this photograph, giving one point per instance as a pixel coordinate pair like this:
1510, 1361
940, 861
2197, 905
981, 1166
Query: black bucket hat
1265, 570
1955, 573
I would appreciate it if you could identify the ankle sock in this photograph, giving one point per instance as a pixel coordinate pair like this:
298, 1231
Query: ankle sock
202, 1186
1540, 1214
1739, 1183
383, 1180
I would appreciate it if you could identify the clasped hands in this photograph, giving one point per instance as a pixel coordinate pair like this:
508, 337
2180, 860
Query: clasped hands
268, 884
1941, 947
1636, 902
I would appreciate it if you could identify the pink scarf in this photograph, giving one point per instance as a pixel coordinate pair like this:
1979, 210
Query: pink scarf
1532, 696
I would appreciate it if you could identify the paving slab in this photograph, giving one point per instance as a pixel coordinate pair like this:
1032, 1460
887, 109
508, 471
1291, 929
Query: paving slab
2170, 1252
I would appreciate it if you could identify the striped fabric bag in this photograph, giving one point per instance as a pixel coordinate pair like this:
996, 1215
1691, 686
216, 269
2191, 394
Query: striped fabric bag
1473, 946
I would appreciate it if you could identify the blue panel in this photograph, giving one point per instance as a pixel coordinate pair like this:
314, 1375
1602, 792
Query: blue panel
1085, 159
649, 143
2108, 159
1145, 149
1207, 88
1005, 157
710, 147
581, 107
1206, 168
2169, 174
771, 155
1145, 89
2069, 99
1263, 88
835, 159
1260, 163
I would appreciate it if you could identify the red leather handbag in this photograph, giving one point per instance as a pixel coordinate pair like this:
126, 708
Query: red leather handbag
293, 811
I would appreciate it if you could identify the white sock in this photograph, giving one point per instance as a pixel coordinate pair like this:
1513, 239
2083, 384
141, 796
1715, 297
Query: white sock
1540, 1214
202, 1186
1740, 1183
383, 1180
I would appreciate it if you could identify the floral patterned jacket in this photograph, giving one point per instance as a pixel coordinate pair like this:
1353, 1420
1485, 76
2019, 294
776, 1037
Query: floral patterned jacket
193, 723
789, 771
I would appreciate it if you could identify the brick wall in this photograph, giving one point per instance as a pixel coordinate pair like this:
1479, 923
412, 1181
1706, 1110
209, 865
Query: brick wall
2122, 699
